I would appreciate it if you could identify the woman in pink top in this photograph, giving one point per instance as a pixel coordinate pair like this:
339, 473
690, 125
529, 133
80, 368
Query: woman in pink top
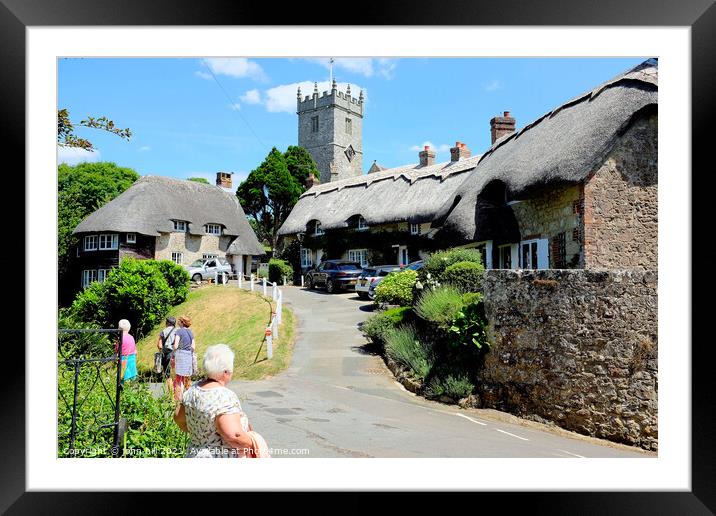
129, 351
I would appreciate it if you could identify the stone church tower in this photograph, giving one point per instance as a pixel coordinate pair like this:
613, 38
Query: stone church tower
330, 127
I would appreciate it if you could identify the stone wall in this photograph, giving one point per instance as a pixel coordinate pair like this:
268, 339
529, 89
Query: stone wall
620, 203
576, 347
553, 213
192, 247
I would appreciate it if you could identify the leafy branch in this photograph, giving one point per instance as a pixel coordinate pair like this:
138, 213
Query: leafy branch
66, 136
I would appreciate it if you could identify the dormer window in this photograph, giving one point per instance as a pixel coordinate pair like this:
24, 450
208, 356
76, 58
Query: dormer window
131, 238
213, 229
362, 224
318, 230
180, 225
415, 229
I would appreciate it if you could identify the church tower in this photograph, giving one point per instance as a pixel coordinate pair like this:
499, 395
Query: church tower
330, 128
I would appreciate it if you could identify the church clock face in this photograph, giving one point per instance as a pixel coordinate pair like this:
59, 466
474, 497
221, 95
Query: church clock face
350, 153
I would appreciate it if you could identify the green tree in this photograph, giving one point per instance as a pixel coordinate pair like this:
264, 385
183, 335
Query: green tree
81, 190
66, 136
199, 180
270, 191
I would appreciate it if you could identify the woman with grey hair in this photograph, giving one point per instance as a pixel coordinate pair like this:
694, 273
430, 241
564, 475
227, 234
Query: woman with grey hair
129, 351
211, 413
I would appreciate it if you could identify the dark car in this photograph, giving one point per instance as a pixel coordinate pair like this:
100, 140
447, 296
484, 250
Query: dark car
371, 277
334, 275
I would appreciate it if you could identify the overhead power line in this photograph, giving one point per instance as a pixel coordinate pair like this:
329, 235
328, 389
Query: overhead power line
233, 104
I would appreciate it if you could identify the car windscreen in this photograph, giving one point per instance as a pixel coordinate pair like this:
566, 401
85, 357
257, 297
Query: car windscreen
197, 263
368, 273
347, 266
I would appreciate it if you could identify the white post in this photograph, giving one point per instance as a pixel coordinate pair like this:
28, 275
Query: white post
216, 277
279, 306
252, 282
269, 343
264, 286
274, 322
301, 280
284, 281
274, 295
241, 277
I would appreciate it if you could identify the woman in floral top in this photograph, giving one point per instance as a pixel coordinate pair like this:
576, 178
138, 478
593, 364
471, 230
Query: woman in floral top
211, 413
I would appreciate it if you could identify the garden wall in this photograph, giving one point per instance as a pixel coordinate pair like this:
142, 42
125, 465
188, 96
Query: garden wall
576, 347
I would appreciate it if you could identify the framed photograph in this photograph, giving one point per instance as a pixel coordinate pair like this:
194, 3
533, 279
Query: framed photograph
521, 142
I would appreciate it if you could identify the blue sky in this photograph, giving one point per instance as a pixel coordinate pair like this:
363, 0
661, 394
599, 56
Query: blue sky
185, 123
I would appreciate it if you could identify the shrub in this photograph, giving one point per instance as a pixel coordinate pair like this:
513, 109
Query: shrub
440, 306
397, 288
403, 346
177, 277
464, 276
454, 386
136, 291
469, 325
377, 326
434, 265
278, 269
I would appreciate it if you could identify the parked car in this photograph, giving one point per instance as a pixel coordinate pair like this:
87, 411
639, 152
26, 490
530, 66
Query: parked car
204, 269
371, 278
334, 275
415, 266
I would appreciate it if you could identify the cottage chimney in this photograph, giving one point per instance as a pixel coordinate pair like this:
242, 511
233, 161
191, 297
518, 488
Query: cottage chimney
311, 180
501, 126
223, 179
426, 156
460, 151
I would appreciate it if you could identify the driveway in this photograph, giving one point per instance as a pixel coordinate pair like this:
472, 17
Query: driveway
337, 399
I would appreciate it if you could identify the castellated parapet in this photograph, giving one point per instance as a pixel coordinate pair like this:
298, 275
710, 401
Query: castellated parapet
330, 127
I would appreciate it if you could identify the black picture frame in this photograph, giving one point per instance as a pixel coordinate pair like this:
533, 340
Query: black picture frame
699, 15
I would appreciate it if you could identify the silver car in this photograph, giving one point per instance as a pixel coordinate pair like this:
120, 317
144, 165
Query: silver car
205, 269
371, 278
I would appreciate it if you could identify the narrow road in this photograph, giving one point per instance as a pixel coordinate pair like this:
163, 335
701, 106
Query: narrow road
339, 400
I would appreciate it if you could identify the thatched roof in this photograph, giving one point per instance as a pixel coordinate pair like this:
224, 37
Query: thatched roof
151, 204
410, 192
564, 145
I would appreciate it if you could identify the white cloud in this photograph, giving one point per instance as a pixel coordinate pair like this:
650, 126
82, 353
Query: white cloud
492, 85
282, 99
252, 97
75, 155
437, 148
203, 75
145, 148
236, 67
365, 66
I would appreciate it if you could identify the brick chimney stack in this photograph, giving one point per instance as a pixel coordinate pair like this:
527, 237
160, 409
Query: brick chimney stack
460, 151
426, 156
223, 179
501, 126
311, 180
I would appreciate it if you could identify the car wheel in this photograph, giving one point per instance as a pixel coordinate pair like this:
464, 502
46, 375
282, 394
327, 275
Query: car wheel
330, 288
309, 284
196, 277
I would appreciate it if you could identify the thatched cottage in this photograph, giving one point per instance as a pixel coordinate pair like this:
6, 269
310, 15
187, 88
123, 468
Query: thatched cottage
576, 188
166, 219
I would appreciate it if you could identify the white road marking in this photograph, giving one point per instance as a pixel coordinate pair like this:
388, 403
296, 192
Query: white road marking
572, 454
341, 387
473, 420
513, 435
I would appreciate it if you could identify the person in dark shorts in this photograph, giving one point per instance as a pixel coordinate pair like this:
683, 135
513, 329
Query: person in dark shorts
165, 343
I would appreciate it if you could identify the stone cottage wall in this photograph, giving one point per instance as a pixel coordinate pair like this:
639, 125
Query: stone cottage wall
620, 203
576, 347
192, 247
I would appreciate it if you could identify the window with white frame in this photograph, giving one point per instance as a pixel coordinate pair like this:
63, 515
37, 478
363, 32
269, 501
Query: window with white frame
110, 241
318, 230
534, 254
358, 255
90, 243
414, 229
213, 229
180, 225
177, 258
102, 274
508, 256
131, 238
88, 276
362, 224
306, 258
